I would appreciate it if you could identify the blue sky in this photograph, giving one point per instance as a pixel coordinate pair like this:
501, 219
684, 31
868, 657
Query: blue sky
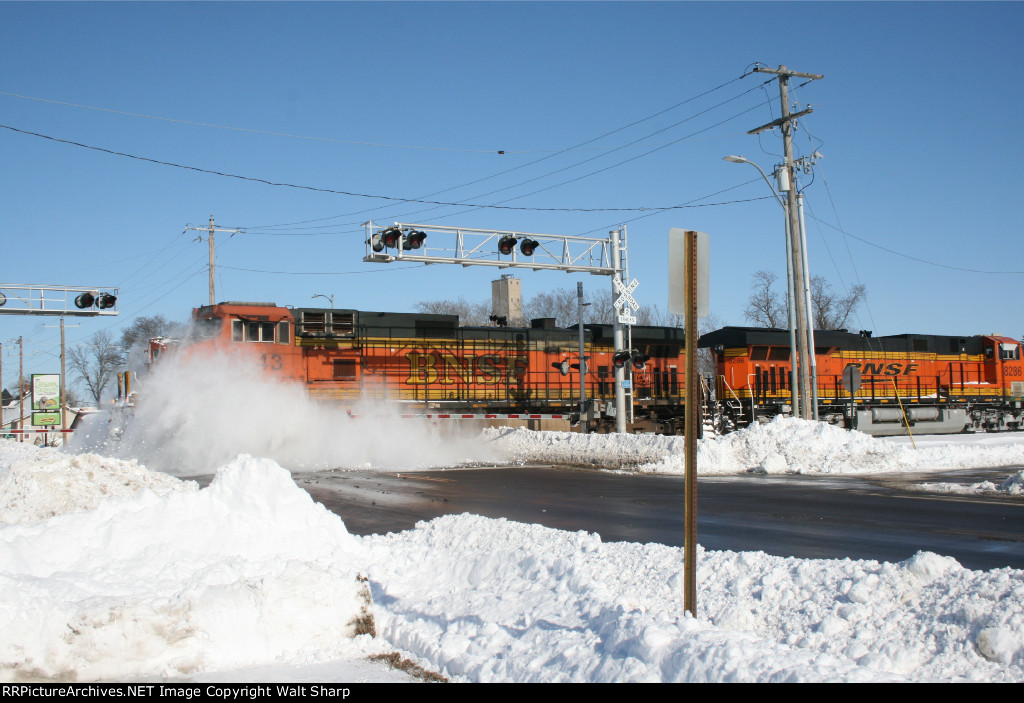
918, 118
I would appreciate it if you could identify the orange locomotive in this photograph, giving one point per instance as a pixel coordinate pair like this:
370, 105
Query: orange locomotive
933, 383
434, 365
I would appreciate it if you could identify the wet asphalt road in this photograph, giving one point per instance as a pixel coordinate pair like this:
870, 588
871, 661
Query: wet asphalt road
801, 516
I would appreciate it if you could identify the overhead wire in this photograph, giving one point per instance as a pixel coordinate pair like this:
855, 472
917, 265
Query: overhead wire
545, 158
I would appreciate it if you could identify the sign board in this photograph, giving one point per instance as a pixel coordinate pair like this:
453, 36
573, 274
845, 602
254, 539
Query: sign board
45, 392
851, 378
677, 303
45, 419
627, 320
625, 294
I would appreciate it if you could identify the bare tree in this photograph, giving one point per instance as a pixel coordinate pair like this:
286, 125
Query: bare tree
95, 362
143, 329
478, 313
831, 310
561, 304
765, 307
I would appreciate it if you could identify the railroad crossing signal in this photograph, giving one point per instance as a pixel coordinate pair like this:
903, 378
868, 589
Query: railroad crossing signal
625, 298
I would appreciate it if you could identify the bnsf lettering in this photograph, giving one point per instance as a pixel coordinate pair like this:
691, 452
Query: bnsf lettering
485, 369
884, 369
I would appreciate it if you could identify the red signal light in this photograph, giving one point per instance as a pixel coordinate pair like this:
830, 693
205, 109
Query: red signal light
506, 245
528, 246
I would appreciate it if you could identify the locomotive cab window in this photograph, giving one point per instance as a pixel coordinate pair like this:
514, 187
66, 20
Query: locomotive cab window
205, 329
260, 332
1009, 352
243, 331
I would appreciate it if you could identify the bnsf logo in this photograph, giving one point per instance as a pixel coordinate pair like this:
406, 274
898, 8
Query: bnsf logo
444, 368
897, 369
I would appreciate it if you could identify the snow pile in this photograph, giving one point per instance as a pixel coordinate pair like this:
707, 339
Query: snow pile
248, 571
36, 484
250, 578
491, 600
785, 445
1012, 486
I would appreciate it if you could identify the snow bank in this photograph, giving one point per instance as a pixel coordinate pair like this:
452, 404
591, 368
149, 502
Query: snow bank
248, 571
1012, 486
249, 575
492, 600
38, 483
785, 445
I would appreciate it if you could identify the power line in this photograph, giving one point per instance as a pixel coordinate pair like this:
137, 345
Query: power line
334, 191
260, 131
914, 258
545, 158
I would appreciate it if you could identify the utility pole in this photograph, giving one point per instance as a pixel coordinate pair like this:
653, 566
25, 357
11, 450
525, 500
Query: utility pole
210, 230
583, 358
213, 300
792, 213
21, 387
63, 381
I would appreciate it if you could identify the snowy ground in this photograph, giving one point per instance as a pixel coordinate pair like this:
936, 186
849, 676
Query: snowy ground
110, 571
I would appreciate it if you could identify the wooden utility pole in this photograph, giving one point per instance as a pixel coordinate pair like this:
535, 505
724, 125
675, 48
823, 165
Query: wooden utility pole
210, 231
795, 252
212, 296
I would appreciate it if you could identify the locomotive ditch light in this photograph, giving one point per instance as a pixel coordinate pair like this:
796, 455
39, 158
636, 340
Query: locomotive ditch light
416, 239
106, 301
376, 242
506, 245
621, 358
528, 246
391, 237
84, 300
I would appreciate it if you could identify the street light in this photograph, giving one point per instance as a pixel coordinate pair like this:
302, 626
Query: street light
330, 297
793, 374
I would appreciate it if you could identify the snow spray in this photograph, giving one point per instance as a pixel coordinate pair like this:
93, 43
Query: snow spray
195, 413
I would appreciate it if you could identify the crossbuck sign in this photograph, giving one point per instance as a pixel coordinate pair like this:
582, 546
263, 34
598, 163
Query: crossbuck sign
625, 298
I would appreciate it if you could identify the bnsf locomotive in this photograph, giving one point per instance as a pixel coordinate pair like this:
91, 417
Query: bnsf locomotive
430, 362
934, 383
434, 365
